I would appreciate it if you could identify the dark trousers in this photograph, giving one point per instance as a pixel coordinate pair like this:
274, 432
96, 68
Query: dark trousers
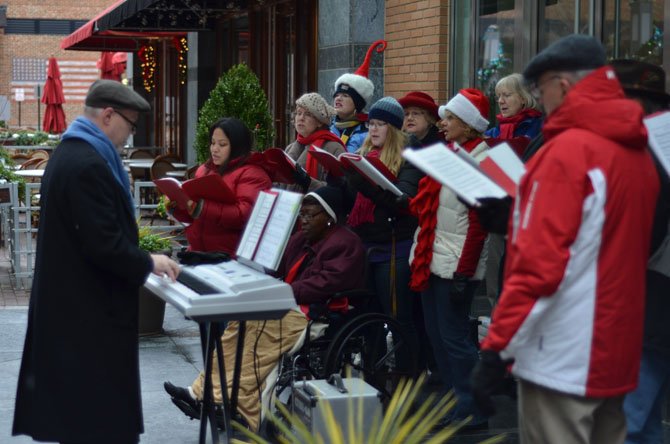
406, 301
448, 327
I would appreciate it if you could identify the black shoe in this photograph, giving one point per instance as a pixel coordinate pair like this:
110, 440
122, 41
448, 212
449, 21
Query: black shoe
182, 398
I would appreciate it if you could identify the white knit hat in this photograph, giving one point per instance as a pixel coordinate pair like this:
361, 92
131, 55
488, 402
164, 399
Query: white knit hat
471, 106
357, 84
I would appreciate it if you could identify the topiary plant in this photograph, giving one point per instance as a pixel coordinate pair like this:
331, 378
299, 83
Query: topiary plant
238, 93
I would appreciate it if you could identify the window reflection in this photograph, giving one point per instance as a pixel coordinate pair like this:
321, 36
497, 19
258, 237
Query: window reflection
634, 29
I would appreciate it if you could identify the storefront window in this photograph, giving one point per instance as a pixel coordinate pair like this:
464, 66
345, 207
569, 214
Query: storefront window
634, 29
462, 59
496, 39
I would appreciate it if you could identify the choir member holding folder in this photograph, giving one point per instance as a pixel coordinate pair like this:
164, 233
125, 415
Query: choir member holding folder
448, 257
216, 225
381, 218
312, 117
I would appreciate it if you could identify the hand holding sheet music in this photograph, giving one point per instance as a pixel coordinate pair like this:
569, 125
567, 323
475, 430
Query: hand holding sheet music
462, 176
373, 170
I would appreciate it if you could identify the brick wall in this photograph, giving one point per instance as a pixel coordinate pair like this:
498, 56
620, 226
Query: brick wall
416, 58
42, 47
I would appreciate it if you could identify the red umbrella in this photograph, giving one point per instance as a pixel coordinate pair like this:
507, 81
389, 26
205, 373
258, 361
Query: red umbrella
54, 116
106, 66
119, 59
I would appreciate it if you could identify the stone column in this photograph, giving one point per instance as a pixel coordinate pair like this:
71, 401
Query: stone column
346, 30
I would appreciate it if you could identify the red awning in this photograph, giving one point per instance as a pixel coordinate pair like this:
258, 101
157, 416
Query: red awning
90, 38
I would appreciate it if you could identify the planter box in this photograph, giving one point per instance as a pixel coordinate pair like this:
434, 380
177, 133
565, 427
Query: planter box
151, 313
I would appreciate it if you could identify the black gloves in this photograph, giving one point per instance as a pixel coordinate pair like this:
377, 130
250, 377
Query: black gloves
302, 178
202, 257
457, 287
360, 184
493, 213
487, 379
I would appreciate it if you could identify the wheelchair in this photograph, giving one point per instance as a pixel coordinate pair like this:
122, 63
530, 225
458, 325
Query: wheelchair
360, 343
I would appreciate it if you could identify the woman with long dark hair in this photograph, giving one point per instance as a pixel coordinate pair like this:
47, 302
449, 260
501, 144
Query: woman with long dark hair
218, 226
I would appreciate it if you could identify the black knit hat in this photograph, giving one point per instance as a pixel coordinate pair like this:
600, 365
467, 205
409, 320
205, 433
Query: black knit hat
641, 79
570, 53
330, 198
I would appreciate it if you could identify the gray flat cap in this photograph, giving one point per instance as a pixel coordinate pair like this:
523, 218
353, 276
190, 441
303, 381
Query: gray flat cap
570, 53
110, 93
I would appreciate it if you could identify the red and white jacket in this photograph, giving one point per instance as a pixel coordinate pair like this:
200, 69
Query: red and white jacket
571, 310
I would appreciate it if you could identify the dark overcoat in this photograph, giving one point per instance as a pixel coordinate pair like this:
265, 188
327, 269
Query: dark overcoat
79, 378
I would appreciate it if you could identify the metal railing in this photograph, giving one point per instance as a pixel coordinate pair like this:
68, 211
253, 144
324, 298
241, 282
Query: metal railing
19, 225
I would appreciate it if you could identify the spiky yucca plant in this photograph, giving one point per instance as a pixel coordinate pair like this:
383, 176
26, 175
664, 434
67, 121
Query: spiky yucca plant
404, 422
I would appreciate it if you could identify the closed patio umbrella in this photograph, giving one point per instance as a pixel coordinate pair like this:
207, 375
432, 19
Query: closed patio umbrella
54, 116
119, 59
106, 66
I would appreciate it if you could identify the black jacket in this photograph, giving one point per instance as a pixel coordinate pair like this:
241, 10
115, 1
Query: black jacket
79, 378
388, 216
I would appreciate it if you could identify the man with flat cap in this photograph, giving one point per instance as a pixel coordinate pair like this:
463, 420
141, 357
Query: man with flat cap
79, 379
571, 311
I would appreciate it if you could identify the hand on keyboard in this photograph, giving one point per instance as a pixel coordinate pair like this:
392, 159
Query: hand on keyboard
163, 265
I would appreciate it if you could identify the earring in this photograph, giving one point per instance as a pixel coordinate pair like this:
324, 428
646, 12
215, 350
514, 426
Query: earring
329, 223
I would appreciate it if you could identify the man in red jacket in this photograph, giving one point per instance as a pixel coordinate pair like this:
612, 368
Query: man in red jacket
571, 312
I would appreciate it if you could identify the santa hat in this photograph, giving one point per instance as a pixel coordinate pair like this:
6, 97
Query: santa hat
471, 106
357, 84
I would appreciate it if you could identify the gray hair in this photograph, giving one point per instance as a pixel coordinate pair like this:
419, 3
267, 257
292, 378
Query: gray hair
90, 111
515, 83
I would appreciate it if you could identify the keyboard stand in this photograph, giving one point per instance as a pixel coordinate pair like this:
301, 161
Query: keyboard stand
210, 339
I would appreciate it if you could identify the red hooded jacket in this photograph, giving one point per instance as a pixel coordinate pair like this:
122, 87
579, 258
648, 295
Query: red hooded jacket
571, 310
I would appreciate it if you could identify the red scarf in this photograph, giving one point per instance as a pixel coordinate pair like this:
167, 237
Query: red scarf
425, 205
509, 124
363, 210
317, 138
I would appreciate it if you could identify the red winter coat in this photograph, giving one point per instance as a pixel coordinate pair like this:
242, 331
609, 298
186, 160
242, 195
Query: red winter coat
571, 310
220, 225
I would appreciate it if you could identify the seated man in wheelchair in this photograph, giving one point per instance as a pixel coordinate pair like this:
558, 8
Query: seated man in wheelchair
321, 259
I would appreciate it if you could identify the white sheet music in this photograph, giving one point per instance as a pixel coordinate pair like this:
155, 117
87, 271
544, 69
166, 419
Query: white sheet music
373, 173
278, 230
658, 127
256, 224
448, 168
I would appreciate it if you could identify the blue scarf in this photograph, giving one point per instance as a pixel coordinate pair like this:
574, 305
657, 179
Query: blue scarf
83, 128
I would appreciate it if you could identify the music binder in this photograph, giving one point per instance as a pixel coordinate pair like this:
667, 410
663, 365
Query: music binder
269, 227
279, 165
371, 168
470, 181
208, 187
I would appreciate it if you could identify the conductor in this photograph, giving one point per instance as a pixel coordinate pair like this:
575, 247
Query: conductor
79, 379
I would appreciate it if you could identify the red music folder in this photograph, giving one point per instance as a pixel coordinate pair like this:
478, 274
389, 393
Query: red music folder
208, 187
279, 165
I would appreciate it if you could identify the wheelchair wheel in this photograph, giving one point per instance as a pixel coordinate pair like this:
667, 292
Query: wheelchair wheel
374, 347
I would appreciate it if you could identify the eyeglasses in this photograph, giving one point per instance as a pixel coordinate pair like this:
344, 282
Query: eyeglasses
375, 124
307, 217
536, 90
133, 125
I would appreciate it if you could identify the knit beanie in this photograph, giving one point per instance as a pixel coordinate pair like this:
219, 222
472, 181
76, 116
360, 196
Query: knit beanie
471, 106
356, 84
330, 199
388, 110
317, 106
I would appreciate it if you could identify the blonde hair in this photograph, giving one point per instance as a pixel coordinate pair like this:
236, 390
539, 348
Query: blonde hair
391, 152
514, 83
469, 132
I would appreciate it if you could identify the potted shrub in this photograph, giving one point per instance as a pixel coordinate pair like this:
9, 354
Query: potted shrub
239, 94
151, 307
